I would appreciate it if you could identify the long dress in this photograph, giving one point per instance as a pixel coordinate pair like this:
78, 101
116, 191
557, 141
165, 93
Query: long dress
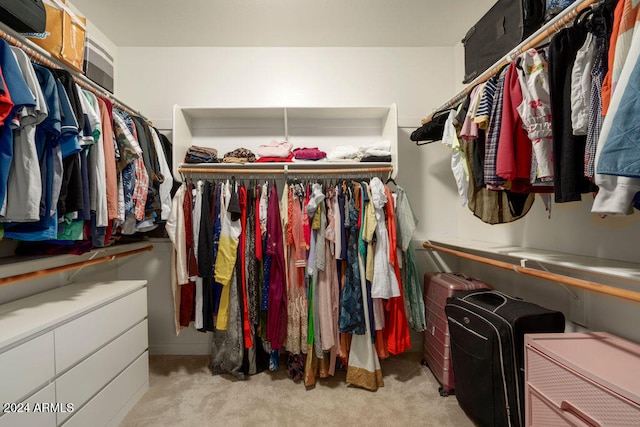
364, 366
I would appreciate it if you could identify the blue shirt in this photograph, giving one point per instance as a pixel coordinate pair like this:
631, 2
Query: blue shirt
21, 96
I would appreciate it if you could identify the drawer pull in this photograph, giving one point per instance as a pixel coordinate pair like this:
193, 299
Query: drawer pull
576, 416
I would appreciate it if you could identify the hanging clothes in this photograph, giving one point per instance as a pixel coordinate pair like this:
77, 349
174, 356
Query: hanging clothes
363, 369
277, 314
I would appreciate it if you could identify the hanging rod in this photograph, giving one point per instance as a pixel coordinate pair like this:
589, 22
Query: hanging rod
553, 277
283, 171
43, 57
536, 39
66, 267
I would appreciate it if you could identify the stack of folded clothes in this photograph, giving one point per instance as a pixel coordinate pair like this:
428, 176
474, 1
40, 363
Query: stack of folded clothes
275, 151
344, 153
379, 151
197, 154
308, 154
239, 155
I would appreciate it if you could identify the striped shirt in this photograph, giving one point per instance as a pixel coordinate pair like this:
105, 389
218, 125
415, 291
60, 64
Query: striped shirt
493, 135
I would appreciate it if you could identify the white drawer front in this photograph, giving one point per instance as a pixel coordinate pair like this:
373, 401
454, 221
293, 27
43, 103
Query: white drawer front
103, 407
38, 415
79, 384
563, 387
84, 335
26, 367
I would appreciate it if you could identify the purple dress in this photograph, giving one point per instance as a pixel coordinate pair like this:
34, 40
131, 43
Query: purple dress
277, 313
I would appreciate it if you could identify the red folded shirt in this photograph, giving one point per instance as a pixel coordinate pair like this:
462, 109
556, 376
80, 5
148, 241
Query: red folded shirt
276, 159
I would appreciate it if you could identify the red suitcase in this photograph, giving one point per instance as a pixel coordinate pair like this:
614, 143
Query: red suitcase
437, 355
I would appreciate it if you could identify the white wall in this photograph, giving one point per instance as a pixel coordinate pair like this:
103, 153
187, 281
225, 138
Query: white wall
418, 80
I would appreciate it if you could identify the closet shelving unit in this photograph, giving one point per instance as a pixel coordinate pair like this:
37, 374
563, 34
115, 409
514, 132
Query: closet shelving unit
19, 268
226, 129
533, 262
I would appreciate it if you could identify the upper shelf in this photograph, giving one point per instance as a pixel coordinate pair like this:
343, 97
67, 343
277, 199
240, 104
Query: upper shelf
226, 129
573, 265
539, 37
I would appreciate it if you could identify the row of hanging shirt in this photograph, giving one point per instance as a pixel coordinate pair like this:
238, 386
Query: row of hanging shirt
73, 168
541, 123
325, 272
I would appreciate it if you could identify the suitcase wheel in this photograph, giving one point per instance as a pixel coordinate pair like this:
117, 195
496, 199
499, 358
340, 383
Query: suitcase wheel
423, 362
443, 392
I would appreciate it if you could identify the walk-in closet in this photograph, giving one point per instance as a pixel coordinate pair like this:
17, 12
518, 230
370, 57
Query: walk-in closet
319, 213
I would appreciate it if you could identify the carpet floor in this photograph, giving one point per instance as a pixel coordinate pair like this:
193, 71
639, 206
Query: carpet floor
182, 392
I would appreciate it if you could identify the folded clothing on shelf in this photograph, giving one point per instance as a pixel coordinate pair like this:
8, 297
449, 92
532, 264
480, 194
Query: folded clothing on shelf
377, 149
287, 159
239, 155
275, 149
308, 154
344, 153
385, 159
196, 154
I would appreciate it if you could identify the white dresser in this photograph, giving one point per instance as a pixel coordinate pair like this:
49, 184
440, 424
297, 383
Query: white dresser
74, 356
581, 379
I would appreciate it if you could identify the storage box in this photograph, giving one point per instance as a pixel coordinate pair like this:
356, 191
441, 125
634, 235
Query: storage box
64, 34
98, 63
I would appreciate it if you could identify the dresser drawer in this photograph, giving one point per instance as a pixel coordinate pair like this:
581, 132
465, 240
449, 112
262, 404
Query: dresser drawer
100, 410
82, 382
570, 391
26, 367
82, 336
36, 416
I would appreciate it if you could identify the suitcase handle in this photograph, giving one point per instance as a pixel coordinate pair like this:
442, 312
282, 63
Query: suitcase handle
492, 299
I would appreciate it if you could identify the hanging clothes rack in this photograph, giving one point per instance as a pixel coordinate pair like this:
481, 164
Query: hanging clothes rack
547, 275
72, 266
39, 55
539, 37
282, 172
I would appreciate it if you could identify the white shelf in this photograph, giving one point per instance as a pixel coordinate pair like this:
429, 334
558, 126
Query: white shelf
577, 265
226, 129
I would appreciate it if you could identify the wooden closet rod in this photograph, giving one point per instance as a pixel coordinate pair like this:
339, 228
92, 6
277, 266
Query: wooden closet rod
66, 267
536, 39
554, 277
250, 171
40, 56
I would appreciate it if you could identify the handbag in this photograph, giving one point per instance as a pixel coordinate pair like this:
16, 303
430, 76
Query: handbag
64, 35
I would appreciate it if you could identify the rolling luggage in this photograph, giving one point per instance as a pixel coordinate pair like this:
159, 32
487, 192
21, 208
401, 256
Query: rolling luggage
502, 28
436, 348
25, 16
487, 347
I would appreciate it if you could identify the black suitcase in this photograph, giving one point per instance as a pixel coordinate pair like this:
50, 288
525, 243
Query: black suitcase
487, 331
24, 16
502, 28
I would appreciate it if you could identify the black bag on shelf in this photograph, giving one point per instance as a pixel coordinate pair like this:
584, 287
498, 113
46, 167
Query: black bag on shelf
24, 16
501, 29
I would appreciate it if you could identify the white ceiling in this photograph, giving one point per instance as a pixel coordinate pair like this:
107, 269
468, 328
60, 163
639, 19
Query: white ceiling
287, 23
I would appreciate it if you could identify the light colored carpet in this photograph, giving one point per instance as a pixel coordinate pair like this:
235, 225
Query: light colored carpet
182, 392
